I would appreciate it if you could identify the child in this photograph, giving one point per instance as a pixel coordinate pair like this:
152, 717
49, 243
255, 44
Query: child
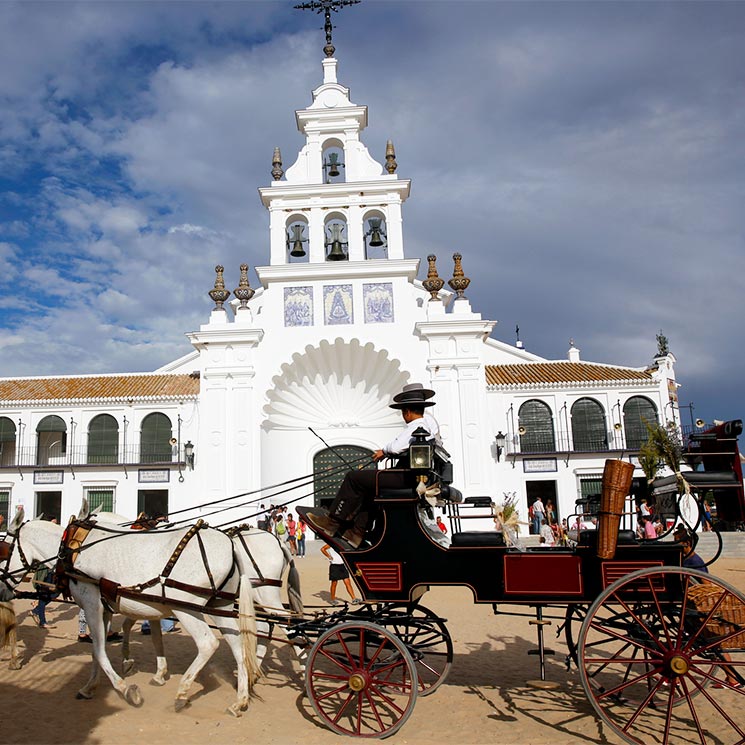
338, 571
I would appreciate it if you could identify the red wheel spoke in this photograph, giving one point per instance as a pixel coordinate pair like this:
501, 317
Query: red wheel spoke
624, 638
635, 617
691, 708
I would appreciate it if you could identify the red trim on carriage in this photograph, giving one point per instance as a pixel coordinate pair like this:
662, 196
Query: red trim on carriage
381, 576
614, 570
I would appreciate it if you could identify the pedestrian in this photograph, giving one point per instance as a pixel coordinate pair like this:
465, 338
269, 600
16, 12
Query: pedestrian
280, 529
441, 525
290, 536
43, 583
338, 571
539, 515
300, 537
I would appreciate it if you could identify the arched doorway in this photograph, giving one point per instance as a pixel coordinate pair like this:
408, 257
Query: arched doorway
330, 466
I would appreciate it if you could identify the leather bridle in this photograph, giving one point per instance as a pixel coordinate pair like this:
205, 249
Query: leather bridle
6, 554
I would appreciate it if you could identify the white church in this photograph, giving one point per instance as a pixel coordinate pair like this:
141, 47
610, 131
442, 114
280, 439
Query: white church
296, 371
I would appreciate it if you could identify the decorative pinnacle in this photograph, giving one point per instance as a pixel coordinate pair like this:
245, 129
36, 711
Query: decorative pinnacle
390, 157
243, 292
325, 7
459, 282
277, 171
219, 294
433, 284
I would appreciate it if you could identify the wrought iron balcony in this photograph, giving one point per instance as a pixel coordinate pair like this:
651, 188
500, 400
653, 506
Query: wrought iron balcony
32, 457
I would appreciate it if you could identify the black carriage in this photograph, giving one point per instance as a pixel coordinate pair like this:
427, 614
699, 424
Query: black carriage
660, 648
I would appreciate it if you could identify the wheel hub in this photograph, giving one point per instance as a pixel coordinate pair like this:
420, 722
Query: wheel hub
357, 682
678, 665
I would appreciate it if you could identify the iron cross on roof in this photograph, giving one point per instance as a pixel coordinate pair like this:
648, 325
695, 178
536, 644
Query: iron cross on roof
326, 6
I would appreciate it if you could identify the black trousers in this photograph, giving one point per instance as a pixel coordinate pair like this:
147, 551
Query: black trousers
355, 499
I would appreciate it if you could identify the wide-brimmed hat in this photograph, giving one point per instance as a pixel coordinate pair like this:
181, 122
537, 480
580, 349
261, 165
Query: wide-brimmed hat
414, 394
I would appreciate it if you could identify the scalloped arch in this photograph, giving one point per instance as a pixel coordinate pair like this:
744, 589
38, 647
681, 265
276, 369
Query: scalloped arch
339, 384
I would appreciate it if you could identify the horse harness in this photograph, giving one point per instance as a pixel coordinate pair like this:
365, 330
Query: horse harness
73, 543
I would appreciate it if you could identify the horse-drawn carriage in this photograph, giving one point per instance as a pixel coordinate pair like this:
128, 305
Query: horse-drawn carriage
660, 648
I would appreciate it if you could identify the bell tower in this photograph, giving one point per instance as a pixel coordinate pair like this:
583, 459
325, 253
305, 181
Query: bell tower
335, 203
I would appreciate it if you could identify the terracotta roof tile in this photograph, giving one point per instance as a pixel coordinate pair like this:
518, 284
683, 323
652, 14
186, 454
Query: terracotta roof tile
98, 387
560, 372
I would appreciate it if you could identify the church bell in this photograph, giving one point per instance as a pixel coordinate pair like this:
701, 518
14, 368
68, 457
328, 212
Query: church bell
297, 241
337, 252
376, 239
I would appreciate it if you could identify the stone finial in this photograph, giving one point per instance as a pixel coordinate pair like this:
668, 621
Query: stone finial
390, 157
459, 282
277, 171
218, 293
433, 284
243, 292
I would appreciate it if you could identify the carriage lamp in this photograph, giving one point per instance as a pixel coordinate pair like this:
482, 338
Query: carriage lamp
189, 455
500, 438
420, 451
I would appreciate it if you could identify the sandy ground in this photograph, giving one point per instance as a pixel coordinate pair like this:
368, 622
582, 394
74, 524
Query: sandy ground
485, 699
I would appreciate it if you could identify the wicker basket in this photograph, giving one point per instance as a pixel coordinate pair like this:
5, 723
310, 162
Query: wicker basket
729, 617
617, 477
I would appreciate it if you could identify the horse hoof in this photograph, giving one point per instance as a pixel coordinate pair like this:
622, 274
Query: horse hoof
133, 696
157, 682
80, 696
181, 703
127, 667
14, 665
236, 710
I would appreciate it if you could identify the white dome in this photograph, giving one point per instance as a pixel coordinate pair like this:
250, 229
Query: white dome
343, 384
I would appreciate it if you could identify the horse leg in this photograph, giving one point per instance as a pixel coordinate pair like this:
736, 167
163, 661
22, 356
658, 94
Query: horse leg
89, 599
127, 662
161, 672
206, 643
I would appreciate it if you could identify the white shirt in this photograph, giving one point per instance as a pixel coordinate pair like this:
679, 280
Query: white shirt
402, 441
538, 507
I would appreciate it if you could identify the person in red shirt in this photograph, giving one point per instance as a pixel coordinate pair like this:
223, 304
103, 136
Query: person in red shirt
441, 525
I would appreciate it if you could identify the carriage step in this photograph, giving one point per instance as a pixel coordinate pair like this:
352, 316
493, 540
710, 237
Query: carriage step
539, 622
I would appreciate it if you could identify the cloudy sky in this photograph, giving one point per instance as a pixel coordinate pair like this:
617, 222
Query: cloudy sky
587, 159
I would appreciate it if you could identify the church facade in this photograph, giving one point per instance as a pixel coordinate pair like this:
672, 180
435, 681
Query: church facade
297, 371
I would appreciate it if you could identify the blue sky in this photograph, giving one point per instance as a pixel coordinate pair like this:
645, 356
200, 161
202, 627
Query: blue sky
587, 160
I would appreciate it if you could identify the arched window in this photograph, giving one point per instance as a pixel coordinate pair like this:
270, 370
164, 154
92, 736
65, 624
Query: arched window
536, 428
638, 411
155, 439
103, 439
589, 433
330, 467
51, 441
7, 441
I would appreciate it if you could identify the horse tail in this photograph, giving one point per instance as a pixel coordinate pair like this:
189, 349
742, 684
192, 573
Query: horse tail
247, 631
293, 582
7, 624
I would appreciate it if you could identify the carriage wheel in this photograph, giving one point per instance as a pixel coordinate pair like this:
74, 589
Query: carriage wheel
654, 665
427, 639
361, 680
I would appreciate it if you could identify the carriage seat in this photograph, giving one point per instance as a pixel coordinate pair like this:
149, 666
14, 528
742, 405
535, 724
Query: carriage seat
478, 538
590, 538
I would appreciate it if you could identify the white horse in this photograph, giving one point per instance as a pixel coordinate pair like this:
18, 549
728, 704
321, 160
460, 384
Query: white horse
184, 566
261, 557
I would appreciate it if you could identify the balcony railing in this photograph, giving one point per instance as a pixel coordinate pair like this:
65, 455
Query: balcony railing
565, 442
33, 457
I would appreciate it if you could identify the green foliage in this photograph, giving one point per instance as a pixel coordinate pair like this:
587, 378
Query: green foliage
662, 448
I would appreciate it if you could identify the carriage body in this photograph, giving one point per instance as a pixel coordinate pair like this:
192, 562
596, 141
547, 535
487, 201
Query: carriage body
401, 560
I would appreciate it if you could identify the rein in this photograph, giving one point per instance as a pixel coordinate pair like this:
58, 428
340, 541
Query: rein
6, 552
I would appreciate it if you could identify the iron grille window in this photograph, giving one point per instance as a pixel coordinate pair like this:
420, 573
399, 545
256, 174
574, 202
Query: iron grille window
103, 439
589, 433
536, 428
155, 436
638, 411
51, 439
329, 470
5, 505
7, 441
101, 500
